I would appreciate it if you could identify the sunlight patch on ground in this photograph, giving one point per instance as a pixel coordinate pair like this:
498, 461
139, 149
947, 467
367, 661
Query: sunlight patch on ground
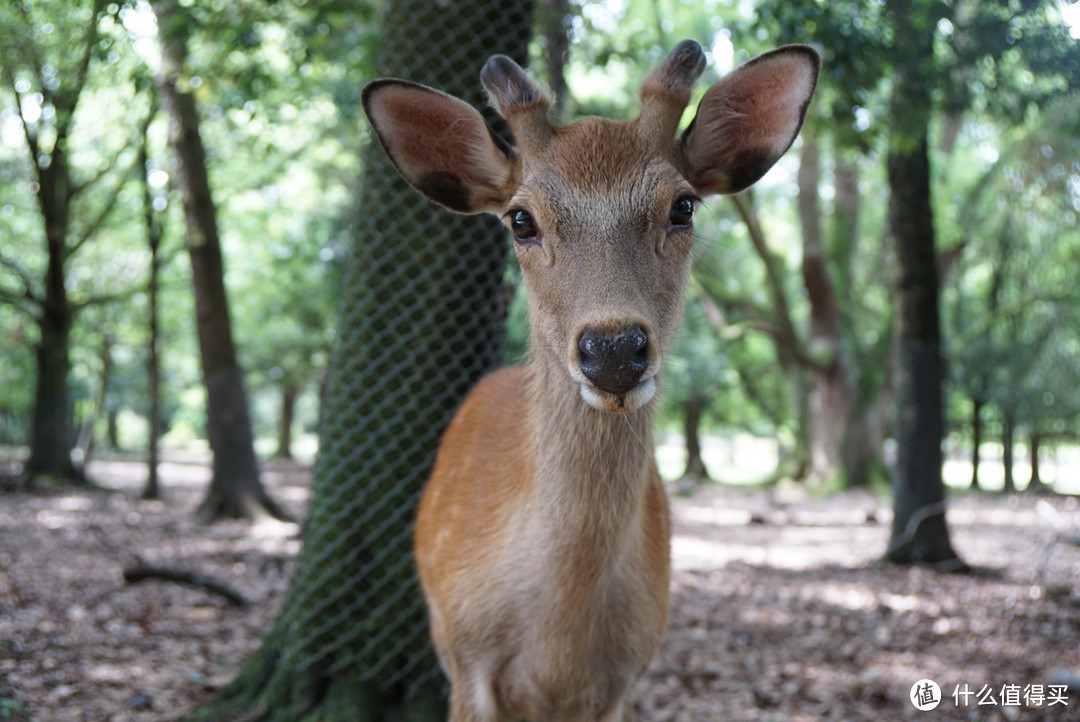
1059, 467
735, 458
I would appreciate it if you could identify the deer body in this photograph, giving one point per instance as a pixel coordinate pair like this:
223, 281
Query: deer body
556, 516
542, 539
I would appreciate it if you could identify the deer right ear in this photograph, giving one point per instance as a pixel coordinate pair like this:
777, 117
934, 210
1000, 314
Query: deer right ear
440, 145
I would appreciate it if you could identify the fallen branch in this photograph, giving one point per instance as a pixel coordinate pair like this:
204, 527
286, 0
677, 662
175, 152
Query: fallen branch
133, 575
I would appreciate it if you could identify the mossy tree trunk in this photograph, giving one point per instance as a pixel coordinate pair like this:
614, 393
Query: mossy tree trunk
422, 318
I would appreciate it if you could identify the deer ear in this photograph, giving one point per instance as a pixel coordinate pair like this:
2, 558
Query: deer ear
749, 118
440, 145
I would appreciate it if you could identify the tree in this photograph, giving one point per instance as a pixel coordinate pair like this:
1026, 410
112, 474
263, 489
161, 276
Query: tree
46, 67
919, 531
1008, 303
155, 230
694, 380
421, 319
827, 341
1036, 71
939, 59
290, 296
236, 489
555, 18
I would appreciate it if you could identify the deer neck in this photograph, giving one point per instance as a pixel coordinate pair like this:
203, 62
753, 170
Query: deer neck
591, 467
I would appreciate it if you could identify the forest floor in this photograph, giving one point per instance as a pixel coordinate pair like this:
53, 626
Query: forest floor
779, 609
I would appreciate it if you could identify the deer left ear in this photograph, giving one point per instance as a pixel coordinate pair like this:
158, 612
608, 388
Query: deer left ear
748, 119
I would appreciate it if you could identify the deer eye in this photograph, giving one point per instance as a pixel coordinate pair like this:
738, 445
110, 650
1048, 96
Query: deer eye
523, 226
682, 213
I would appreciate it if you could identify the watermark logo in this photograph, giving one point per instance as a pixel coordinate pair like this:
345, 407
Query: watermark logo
925, 695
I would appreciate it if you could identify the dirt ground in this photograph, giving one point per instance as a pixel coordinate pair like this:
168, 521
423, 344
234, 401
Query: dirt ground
779, 611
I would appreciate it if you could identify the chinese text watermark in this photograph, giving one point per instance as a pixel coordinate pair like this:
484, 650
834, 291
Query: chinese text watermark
926, 695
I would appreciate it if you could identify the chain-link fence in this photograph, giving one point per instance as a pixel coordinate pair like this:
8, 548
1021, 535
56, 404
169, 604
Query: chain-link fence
421, 319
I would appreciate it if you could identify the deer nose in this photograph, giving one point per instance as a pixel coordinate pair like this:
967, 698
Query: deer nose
614, 362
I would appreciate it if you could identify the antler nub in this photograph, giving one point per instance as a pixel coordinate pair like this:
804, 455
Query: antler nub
518, 99
666, 90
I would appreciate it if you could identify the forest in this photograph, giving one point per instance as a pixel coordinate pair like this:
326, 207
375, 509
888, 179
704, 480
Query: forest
231, 337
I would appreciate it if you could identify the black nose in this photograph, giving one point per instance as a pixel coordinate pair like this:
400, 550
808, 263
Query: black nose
614, 362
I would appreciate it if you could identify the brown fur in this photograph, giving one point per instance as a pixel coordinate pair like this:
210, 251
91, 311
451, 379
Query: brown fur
542, 539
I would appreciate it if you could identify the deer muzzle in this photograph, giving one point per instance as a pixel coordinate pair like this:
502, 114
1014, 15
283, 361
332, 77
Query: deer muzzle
615, 361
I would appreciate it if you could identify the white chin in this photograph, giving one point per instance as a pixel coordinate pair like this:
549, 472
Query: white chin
632, 400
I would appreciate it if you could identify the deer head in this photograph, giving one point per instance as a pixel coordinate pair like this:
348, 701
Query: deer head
601, 211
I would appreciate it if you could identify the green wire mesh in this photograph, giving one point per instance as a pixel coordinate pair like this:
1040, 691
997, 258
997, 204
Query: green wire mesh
422, 317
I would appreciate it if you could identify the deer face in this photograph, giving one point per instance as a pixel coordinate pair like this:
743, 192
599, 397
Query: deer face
603, 227
601, 211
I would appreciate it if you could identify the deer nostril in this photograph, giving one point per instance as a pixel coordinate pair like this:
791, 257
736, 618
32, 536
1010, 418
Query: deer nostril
629, 345
614, 362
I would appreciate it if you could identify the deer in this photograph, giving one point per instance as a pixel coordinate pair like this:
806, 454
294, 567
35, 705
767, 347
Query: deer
542, 538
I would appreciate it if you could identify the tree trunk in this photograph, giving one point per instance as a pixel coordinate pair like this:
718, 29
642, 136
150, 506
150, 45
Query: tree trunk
152, 490
790, 354
289, 394
919, 531
845, 219
976, 439
1035, 482
831, 421
50, 431
50, 435
50, 428
422, 319
695, 465
866, 371
84, 444
556, 20
862, 460
1008, 438
112, 428
154, 230
235, 487
831, 399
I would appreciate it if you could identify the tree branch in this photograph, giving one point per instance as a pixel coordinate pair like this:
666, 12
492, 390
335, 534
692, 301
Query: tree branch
31, 135
1012, 312
785, 326
97, 222
105, 298
726, 329
77, 188
133, 575
272, 174
24, 276
28, 56
21, 302
138, 164
65, 102
88, 51
729, 302
28, 302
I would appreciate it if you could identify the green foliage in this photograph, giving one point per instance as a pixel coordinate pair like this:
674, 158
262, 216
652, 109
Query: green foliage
283, 153
1011, 305
722, 353
278, 86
